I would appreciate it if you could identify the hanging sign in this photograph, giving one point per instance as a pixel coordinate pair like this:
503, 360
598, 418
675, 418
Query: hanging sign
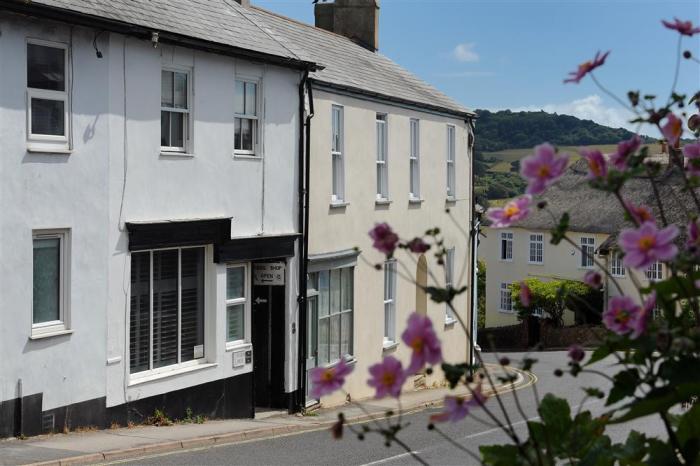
271, 273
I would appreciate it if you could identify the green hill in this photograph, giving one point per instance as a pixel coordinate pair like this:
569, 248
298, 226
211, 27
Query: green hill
503, 138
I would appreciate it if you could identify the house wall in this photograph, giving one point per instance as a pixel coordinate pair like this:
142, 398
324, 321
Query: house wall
560, 262
115, 174
341, 228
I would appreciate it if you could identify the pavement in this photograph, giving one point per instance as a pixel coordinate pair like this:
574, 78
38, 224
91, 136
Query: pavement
102, 446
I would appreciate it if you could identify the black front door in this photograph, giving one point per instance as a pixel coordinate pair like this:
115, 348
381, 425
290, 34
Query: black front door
268, 345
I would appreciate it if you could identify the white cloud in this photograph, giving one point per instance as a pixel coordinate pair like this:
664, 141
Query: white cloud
465, 53
593, 108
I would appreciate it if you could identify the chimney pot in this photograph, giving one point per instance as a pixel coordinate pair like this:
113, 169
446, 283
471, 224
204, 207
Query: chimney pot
357, 20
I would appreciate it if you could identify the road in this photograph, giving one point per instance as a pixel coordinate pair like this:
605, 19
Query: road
318, 447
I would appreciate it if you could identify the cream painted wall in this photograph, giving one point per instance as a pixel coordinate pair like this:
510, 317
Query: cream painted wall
335, 229
560, 262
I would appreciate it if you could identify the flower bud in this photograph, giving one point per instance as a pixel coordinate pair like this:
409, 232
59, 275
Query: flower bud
687, 54
504, 361
558, 372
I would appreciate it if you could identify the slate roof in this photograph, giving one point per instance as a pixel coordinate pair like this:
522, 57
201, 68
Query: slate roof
595, 211
350, 66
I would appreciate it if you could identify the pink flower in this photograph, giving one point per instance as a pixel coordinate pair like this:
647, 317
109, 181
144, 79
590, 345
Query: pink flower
684, 27
593, 279
385, 240
576, 353
587, 67
597, 166
624, 316
513, 211
417, 246
387, 377
692, 158
624, 150
326, 380
420, 337
525, 294
672, 130
543, 168
457, 407
640, 213
647, 244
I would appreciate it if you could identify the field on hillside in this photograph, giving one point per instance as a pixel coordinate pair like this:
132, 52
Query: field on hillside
505, 157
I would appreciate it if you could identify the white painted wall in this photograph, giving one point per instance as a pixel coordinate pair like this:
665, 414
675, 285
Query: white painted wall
87, 192
337, 229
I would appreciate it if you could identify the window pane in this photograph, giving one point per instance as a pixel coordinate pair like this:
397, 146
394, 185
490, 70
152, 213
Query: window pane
192, 307
235, 282
48, 117
323, 293
165, 129
165, 308
246, 134
323, 343
335, 291
239, 102
311, 319
237, 133
347, 287
47, 263
46, 67
346, 333
335, 338
251, 90
177, 130
180, 90
235, 316
140, 319
166, 88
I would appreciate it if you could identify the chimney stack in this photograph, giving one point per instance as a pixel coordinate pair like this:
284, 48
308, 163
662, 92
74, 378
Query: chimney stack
244, 3
357, 20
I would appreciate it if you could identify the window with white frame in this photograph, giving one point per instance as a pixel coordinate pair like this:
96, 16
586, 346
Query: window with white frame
50, 284
451, 162
246, 117
655, 272
47, 91
449, 281
536, 248
174, 110
506, 298
237, 303
382, 162
616, 267
389, 302
335, 314
587, 251
337, 135
506, 246
166, 324
414, 160
538, 312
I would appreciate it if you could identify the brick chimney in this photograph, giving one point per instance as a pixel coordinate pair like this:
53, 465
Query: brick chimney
357, 20
244, 3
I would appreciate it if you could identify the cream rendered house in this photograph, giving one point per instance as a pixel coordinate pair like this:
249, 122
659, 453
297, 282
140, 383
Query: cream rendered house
384, 147
524, 250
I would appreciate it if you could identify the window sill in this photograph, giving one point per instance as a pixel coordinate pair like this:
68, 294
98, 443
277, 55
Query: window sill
449, 323
50, 334
535, 263
238, 345
247, 156
184, 155
382, 201
450, 200
389, 345
505, 312
48, 149
415, 200
171, 373
505, 260
339, 204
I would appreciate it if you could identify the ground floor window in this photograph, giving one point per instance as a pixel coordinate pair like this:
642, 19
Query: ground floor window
237, 303
166, 325
50, 282
330, 298
506, 298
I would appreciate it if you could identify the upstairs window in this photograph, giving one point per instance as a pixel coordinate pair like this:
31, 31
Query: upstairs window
246, 117
414, 160
587, 251
389, 302
174, 111
506, 246
655, 272
536, 248
337, 141
451, 162
616, 267
382, 166
47, 84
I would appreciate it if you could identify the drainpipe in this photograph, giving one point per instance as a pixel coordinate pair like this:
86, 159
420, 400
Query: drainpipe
475, 222
303, 194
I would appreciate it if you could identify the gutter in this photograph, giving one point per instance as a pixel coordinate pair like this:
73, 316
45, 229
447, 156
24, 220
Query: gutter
474, 231
145, 33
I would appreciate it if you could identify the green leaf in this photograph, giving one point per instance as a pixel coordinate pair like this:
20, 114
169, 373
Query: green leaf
559, 232
555, 414
600, 353
658, 400
500, 455
689, 433
625, 384
661, 454
594, 392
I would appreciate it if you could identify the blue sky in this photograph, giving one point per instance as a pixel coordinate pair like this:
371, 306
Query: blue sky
499, 54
